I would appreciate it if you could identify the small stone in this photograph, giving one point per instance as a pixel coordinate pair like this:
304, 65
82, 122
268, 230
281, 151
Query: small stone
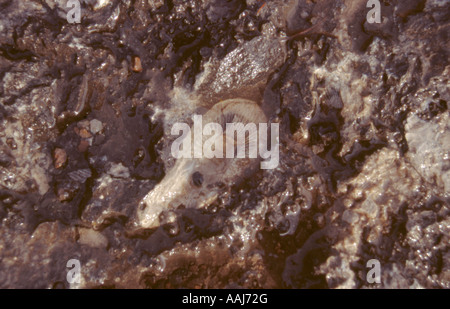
64, 195
84, 133
101, 4
350, 217
92, 238
369, 208
83, 124
80, 175
96, 126
119, 171
60, 157
83, 146
136, 66
156, 4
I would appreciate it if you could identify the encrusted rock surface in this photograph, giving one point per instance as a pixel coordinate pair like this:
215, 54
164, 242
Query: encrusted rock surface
85, 116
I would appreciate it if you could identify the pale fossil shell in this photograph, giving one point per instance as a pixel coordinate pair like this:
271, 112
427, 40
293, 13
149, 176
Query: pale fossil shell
193, 182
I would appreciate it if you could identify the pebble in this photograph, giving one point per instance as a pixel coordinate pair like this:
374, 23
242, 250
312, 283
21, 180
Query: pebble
83, 146
96, 126
80, 175
83, 124
350, 217
137, 65
92, 238
64, 195
60, 157
84, 133
119, 171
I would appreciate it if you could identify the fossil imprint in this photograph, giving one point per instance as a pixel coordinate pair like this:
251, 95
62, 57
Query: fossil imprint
194, 182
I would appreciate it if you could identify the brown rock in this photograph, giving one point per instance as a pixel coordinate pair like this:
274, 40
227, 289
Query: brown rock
136, 65
92, 238
84, 133
83, 146
64, 195
83, 124
60, 157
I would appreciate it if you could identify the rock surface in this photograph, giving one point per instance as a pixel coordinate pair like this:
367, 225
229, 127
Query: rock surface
85, 116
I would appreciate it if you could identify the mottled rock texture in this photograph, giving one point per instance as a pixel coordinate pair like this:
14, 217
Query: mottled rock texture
85, 116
